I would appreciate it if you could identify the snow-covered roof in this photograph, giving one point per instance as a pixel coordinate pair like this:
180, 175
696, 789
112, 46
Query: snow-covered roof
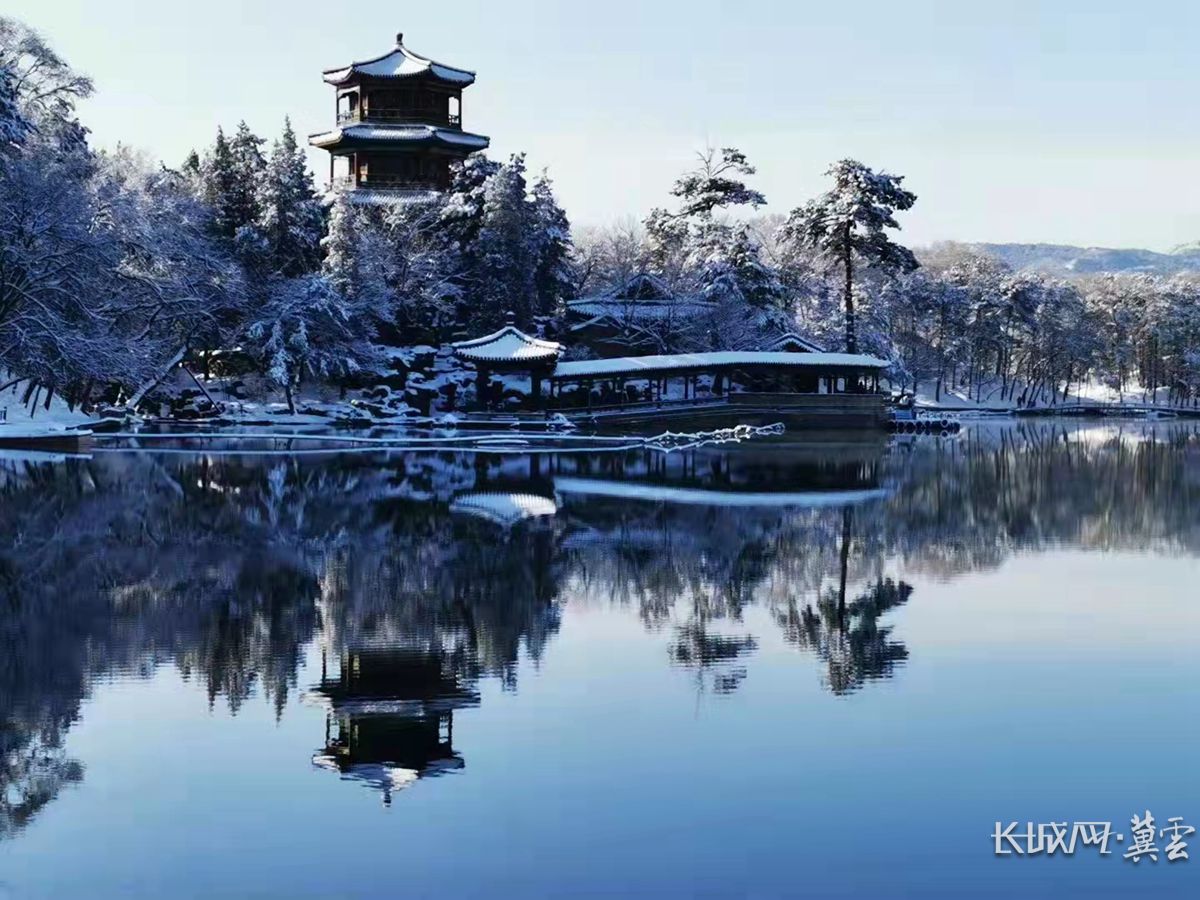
400, 63
630, 310
509, 344
504, 509
402, 134
629, 490
634, 365
390, 196
797, 340
642, 298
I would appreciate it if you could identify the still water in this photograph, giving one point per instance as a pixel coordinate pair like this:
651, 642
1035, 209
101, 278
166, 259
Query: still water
780, 668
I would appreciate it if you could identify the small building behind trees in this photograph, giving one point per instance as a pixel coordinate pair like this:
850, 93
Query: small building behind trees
643, 314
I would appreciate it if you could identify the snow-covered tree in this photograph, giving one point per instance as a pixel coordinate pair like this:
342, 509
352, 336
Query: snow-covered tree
218, 182
14, 127
290, 216
716, 184
554, 274
306, 329
42, 87
731, 269
506, 254
231, 174
848, 226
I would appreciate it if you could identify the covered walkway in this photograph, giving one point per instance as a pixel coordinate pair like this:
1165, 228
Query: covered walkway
692, 377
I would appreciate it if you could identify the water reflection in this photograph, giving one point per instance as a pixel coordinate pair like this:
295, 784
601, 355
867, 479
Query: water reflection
420, 575
391, 715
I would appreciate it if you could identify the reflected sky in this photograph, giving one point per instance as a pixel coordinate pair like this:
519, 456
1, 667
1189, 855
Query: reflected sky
786, 667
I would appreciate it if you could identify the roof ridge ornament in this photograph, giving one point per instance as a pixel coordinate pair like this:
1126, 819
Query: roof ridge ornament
399, 38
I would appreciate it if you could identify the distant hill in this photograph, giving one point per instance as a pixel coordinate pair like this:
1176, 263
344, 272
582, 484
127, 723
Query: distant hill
1066, 261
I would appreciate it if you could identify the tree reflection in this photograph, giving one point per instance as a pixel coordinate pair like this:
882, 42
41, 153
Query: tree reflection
847, 637
231, 568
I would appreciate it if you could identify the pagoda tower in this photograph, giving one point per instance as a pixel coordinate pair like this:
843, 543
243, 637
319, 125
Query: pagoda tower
399, 125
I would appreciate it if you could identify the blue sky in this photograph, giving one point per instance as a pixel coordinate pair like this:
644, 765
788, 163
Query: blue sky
1065, 122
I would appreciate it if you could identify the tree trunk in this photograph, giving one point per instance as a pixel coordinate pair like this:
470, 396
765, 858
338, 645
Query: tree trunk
848, 261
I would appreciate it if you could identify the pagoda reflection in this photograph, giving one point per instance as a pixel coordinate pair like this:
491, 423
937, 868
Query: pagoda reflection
390, 718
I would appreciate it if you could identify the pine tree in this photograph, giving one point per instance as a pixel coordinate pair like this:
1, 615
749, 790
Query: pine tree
555, 276
342, 262
504, 280
730, 267
847, 225
304, 328
461, 216
290, 218
716, 184
249, 164
219, 185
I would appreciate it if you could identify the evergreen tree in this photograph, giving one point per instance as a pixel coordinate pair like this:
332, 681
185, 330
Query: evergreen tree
219, 182
504, 279
716, 184
555, 276
231, 174
342, 259
305, 328
290, 216
461, 216
848, 225
730, 267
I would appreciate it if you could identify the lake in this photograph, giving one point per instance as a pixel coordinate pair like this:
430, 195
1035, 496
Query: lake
782, 667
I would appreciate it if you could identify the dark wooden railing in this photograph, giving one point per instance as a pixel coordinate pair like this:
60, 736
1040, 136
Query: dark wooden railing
398, 182
398, 116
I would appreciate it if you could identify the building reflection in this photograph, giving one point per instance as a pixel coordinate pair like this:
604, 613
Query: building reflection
390, 718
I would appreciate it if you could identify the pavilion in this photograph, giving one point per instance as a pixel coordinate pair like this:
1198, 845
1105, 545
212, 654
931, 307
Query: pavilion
509, 351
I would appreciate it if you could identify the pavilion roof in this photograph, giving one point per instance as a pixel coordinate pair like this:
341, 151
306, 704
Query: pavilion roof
505, 509
409, 135
507, 345
400, 62
791, 337
719, 359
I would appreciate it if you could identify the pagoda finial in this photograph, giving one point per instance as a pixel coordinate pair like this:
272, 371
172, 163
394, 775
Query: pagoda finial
510, 318
399, 38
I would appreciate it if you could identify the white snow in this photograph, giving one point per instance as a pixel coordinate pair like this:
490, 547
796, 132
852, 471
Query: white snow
633, 365
16, 419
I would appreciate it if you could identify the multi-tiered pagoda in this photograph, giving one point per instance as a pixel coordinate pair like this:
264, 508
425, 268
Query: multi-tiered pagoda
399, 124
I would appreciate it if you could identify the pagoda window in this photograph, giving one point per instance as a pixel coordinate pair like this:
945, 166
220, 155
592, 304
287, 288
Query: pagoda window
347, 106
455, 110
341, 169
